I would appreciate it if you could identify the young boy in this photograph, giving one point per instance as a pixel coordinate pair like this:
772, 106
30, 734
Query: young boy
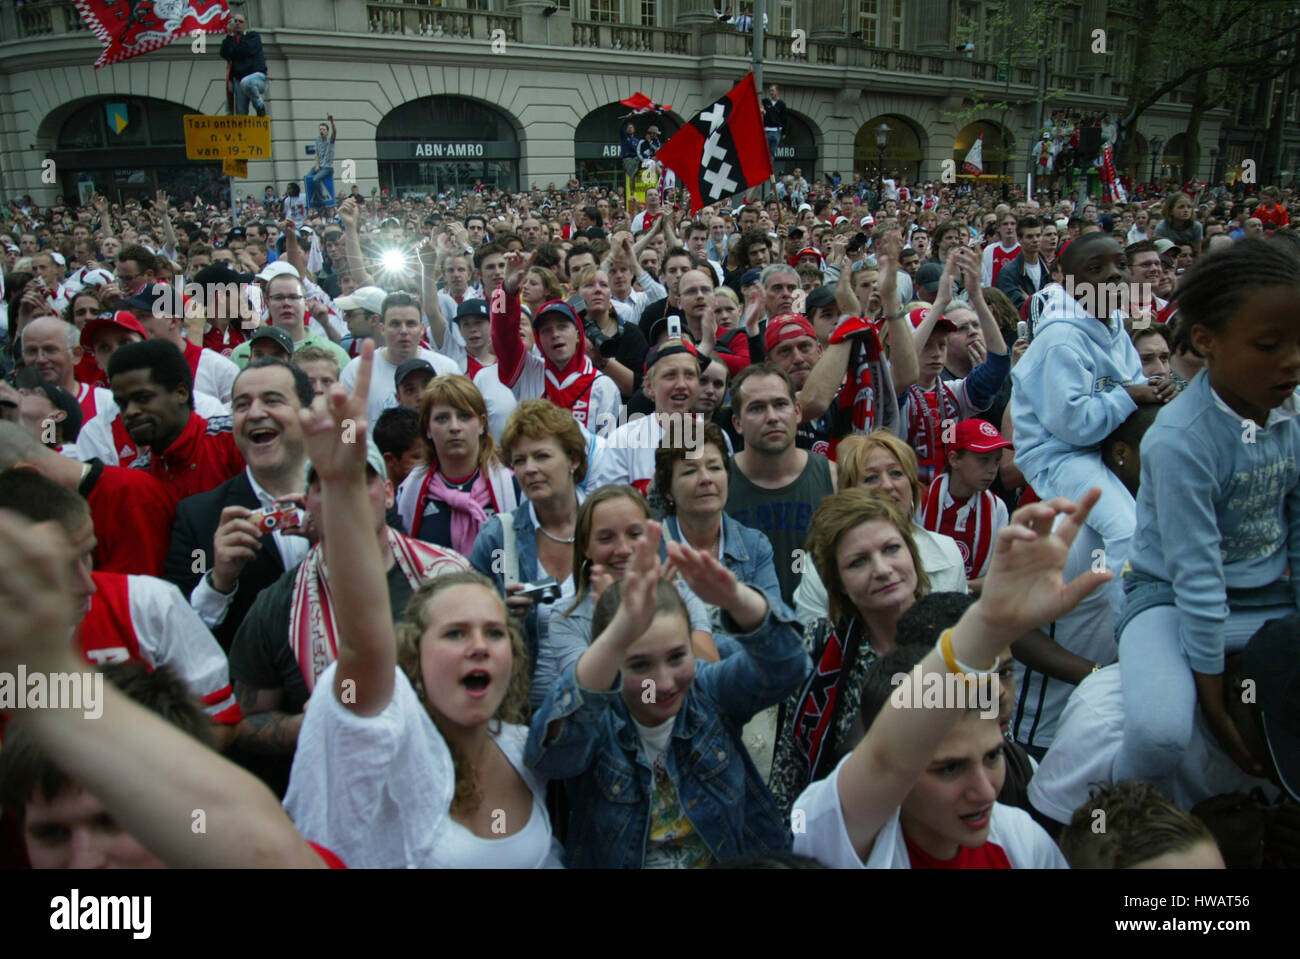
932, 405
958, 502
1080, 379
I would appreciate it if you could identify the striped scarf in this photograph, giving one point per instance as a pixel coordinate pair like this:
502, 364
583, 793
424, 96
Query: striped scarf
971, 523
313, 633
926, 426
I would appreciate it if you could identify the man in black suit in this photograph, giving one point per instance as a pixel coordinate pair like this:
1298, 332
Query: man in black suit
1026, 274
218, 557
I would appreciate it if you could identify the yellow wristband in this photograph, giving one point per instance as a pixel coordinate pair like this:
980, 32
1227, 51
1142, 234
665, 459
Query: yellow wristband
954, 664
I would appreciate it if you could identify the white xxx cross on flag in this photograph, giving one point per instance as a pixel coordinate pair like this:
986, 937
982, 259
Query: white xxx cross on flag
719, 180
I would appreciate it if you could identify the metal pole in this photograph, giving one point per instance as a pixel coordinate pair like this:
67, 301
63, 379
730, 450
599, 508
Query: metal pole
759, 34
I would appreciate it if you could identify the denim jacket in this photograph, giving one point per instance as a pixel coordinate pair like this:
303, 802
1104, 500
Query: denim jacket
747, 552
609, 779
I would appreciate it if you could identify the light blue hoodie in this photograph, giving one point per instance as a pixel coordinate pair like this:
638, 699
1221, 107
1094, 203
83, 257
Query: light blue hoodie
1068, 389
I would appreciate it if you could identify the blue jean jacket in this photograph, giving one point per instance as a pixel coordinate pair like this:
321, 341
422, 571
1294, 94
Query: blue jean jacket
610, 781
747, 553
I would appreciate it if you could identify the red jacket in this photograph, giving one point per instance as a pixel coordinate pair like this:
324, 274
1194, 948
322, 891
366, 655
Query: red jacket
1274, 218
203, 456
133, 514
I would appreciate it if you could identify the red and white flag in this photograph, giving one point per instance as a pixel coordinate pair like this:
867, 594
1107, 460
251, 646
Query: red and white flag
131, 29
974, 162
723, 150
640, 103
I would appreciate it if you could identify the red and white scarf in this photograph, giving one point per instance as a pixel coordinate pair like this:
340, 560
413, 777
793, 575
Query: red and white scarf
857, 397
313, 633
927, 412
970, 522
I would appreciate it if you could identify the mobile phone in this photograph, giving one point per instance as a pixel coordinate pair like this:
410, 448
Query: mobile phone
543, 591
1022, 330
674, 327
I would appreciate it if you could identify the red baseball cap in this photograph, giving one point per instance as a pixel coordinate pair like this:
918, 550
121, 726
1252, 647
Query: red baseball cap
121, 319
787, 326
917, 316
811, 251
978, 436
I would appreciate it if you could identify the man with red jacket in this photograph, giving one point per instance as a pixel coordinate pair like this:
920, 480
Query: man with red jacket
1271, 212
152, 387
133, 510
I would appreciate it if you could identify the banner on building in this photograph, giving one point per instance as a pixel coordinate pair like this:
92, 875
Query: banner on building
129, 30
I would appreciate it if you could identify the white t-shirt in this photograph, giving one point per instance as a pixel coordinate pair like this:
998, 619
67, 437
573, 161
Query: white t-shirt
498, 399
630, 454
820, 833
1034, 271
383, 391
377, 790
1088, 740
1087, 631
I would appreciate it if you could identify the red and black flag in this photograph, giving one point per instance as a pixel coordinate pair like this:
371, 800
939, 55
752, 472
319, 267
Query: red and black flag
723, 150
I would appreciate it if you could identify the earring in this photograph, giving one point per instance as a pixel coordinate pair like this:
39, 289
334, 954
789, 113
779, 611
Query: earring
1120, 461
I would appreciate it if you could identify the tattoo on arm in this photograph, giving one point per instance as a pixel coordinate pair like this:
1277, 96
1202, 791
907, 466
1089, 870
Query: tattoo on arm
265, 729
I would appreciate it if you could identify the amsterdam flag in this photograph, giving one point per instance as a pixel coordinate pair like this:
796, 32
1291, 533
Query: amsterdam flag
723, 151
128, 30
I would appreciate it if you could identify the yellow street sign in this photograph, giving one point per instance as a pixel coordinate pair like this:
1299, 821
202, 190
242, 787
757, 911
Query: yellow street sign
231, 167
220, 137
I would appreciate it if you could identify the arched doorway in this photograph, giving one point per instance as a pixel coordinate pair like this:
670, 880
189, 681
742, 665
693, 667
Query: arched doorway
598, 138
903, 155
798, 148
127, 148
442, 143
1172, 164
999, 157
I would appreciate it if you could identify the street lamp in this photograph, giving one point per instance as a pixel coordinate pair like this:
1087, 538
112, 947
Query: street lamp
1157, 144
882, 141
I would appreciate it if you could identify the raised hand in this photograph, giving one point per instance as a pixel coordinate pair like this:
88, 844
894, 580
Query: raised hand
334, 426
636, 610
348, 214
1025, 587
517, 264
707, 578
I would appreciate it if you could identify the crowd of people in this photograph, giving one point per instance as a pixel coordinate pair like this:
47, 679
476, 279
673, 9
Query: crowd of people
902, 530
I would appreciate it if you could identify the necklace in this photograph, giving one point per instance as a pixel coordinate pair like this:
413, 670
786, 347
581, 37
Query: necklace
551, 536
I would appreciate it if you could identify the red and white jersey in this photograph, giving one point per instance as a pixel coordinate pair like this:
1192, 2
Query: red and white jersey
147, 620
202, 457
133, 513
92, 399
213, 373
103, 437
930, 202
973, 522
1014, 840
996, 256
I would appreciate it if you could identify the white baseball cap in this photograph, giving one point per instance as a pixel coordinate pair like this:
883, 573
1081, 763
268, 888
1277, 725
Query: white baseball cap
368, 298
278, 268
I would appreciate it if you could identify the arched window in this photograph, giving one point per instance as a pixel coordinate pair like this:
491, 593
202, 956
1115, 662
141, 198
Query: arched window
128, 148
443, 143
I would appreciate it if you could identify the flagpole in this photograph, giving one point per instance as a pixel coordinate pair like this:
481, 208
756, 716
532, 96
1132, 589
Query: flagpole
760, 39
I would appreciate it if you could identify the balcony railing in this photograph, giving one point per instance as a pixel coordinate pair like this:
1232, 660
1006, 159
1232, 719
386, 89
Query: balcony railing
593, 35
44, 17
410, 20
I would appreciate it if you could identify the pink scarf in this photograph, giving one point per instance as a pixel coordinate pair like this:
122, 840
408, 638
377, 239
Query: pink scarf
312, 630
467, 513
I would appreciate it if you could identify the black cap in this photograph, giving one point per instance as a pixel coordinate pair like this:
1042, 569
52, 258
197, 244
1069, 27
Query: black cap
28, 378
158, 298
1272, 661
750, 276
556, 306
413, 365
236, 234
823, 295
221, 272
928, 276
279, 334
472, 308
